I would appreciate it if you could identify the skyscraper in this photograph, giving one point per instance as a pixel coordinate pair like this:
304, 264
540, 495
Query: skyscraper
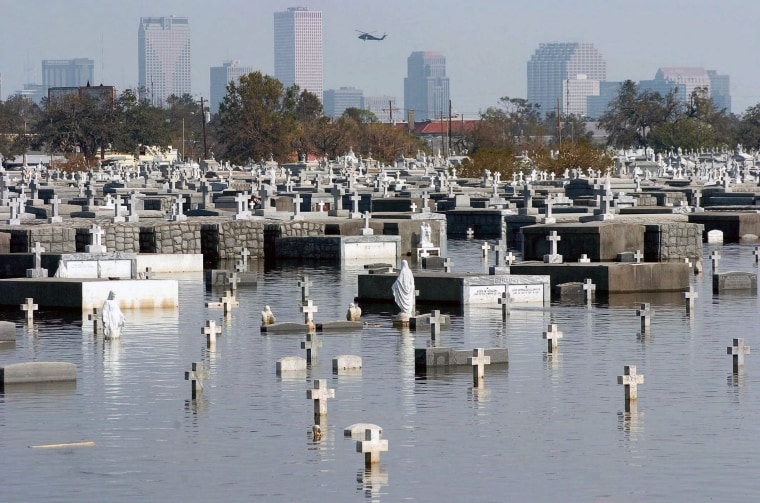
684, 80
163, 53
298, 49
220, 77
336, 101
555, 63
67, 73
720, 91
426, 86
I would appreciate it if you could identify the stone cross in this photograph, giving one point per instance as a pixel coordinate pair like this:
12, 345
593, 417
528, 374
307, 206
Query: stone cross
738, 350
321, 206
645, 313
355, 198
297, 200
30, 307
196, 376
366, 230
554, 239
55, 202
447, 264
435, 324
584, 259
470, 233
501, 250
242, 209
425, 199
478, 360
228, 302
552, 336
630, 381
638, 256
94, 317
371, 446
320, 393
715, 257
96, 245
211, 331
504, 301
308, 310
413, 207
337, 193
37, 250
757, 253
311, 344
690, 296
233, 280
588, 289
245, 253
510, 258
304, 284
133, 216
485, 247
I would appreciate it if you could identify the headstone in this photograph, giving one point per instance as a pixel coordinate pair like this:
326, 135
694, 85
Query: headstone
645, 314
290, 364
29, 307
37, 271
738, 350
584, 259
196, 376
715, 236
96, 245
55, 203
715, 258
553, 257
478, 360
319, 394
211, 331
630, 381
435, 324
589, 288
366, 230
346, 363
735, 280
638, 256
485, 247
371, 446
470, 233
552, 336
690, 295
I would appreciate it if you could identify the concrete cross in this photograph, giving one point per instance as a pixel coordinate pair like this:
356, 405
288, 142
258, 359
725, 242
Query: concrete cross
757, 253
211, 331
297, 200
584, 259
509, 258
30, 307
630, 381
355, 198
447, 264
242, 201
690, 295
554, 239
233, 280
304, 284
413, 207
504, 301
366, 217
55, 202
485, 247
321, 206
311, 344
239, 267
638, 256
501, 250
738, 350
320, 393
337, 193
228, 302
478, 360
94, 317
435, 324
425, 199
371, 446
97, 234
470, 233
244, 253
308, 310
645, 313
196, 376
37, 250
588, 288
552, 336
715, 257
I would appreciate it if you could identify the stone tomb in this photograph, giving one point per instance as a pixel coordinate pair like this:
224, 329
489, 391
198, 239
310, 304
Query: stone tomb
339, 248
600, 241
425, 358
460, 288
107, 265
734, 281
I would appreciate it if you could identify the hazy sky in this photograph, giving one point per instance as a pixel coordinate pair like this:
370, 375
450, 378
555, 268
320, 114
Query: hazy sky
487, 43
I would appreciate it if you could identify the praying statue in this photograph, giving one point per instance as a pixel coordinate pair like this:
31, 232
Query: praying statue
425, 236
267, 317
354, 312
113, 319
403, 290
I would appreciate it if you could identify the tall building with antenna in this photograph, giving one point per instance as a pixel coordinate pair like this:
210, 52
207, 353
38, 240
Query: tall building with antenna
298, 49
426, 86
67, 73
163, 53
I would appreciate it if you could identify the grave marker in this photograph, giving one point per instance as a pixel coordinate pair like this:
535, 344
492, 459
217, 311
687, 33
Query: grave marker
690, 295
478, 360
504, 301
552, 336
435, 324
371, 446
630, 381
638, 256
311, 344
715, 258
319, 394
738, 350
29, 307
196, 377
645, 313
94, 317
211, 331
589, 288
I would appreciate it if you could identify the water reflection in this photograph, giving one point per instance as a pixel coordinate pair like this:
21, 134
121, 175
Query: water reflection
371, 480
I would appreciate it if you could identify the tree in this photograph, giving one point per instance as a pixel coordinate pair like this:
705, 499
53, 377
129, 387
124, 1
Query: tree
256, 119
308, 112
18, 115
633, 113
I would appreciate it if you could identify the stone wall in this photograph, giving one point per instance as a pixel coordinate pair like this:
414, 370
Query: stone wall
672, 242
321, 248
54, 238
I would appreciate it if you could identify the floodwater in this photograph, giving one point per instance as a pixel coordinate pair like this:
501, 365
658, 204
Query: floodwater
547, 427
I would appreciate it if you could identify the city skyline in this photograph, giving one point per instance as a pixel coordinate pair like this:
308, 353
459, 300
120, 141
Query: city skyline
298, 54
486, 44
164, 58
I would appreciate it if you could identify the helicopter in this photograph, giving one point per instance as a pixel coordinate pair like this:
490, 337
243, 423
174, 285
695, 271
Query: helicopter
369, 36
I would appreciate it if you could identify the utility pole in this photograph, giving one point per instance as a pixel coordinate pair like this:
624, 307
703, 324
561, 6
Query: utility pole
449, 147
559, 125
203, 119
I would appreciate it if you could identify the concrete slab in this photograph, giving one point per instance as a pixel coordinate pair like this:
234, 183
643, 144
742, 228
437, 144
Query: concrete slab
34, 372
7, 332
449, 357
84, 294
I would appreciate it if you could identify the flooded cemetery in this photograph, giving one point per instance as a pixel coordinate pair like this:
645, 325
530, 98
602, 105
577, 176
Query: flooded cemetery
349, 330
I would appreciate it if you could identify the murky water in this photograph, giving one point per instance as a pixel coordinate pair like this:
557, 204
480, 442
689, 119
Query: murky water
547, 427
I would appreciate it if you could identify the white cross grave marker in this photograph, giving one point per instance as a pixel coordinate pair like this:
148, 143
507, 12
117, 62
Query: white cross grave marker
320, 393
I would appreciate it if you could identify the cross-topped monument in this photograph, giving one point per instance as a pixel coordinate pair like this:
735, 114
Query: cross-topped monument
211, 331
478, 360
552, 336
553, 257
319, 394
738, 350
96, 244
630, 381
